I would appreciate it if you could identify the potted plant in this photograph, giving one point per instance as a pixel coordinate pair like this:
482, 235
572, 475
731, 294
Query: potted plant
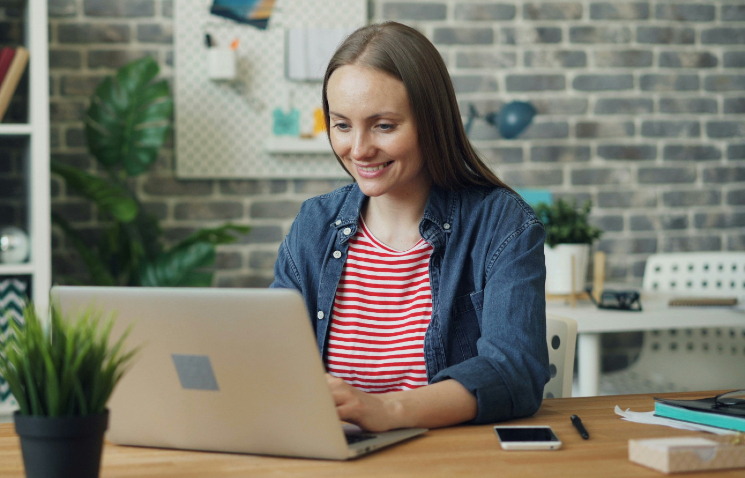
62, 374
127, 122
568, 239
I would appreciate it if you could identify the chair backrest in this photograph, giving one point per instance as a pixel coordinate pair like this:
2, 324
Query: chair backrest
561, 335
696, 273
701, 359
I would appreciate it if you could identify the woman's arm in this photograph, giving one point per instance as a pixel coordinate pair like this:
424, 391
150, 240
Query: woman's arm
509, 372
439, 405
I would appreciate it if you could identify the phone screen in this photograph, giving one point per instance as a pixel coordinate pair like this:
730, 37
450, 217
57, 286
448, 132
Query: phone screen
532, 434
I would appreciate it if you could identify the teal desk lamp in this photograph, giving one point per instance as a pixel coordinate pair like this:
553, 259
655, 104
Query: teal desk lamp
510, 121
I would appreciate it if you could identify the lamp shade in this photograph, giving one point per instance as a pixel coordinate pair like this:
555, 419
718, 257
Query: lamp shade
514, 117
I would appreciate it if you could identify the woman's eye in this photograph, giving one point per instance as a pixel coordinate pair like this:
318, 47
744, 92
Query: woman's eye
341, 126
387, 126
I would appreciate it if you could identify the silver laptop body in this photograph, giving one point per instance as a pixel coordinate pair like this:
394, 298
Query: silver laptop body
229, 370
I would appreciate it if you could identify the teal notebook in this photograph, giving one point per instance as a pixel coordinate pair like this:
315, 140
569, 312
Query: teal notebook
702, 412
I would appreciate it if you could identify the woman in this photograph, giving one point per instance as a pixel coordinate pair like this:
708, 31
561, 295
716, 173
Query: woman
428, 270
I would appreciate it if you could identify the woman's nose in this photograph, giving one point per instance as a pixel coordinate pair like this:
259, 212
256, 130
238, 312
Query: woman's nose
362, 146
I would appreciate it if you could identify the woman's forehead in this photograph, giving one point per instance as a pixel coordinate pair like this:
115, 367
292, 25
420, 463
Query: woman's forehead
360, 86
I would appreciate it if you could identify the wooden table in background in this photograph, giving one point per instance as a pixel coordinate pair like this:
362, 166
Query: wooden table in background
452, 452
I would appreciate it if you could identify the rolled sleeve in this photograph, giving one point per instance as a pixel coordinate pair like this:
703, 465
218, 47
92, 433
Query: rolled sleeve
508, 374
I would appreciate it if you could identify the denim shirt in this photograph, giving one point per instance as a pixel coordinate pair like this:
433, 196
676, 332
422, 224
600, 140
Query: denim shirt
487, 273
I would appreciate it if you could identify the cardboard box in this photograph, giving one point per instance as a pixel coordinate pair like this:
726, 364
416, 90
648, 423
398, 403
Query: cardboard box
681, 454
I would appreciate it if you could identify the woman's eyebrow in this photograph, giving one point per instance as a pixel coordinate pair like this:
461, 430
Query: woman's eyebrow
376, 115
384, 113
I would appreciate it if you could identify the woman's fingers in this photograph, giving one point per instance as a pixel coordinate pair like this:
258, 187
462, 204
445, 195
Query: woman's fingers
344, 396
355, 406
339, 389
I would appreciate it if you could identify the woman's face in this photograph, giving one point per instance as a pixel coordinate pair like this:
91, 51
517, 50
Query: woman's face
373, 131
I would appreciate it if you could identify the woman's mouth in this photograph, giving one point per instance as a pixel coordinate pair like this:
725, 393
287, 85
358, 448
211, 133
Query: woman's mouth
372, 169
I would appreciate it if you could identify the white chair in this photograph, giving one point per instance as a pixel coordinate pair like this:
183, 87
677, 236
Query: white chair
689, 359
561, 335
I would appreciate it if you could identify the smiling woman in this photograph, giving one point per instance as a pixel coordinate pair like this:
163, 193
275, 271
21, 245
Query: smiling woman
426, 276
373, 131
374, 134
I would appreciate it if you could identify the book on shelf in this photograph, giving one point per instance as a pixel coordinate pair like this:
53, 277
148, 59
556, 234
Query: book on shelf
703, 411
12, 77
6, 56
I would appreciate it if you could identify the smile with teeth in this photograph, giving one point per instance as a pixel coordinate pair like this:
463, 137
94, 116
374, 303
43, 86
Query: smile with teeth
374, 168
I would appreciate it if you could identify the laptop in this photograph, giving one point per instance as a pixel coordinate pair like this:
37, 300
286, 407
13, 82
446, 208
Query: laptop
228, 370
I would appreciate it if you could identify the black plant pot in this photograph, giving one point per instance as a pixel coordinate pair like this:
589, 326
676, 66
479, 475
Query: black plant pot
61, 447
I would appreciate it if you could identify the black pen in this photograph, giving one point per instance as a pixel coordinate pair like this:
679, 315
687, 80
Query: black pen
580, 428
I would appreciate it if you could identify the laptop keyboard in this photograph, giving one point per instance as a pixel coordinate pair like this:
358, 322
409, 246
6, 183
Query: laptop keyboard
351, 439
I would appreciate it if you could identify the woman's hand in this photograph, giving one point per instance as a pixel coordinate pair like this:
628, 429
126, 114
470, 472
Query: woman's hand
372, 412
438, 405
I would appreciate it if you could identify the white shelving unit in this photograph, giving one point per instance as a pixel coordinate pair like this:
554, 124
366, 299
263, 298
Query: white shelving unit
39, 264
15, 129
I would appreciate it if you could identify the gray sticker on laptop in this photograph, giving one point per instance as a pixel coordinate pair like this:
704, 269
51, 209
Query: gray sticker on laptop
195, 372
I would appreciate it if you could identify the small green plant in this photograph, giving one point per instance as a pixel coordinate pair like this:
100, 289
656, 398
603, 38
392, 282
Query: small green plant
566, 223
66, 368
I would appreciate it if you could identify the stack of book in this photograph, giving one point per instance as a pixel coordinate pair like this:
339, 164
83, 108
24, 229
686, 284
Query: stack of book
703, 411
13, 63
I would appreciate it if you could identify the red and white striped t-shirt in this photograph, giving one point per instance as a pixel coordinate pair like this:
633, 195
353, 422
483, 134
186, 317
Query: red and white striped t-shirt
382, 308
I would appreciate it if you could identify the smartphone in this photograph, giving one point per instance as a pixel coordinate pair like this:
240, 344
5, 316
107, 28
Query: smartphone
527, 438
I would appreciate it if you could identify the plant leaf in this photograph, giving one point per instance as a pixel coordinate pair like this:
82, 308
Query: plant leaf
219, 235
52, 385
129, 119
96, 268
566, 223
111, 199
12, 376
173, 268
197, 279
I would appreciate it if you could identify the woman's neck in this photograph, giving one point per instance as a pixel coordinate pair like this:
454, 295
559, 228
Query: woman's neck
394, 220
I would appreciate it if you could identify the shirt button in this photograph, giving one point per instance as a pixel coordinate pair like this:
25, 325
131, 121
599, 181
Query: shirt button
446, 226
347, 231
320, 315
337, 254
338, 222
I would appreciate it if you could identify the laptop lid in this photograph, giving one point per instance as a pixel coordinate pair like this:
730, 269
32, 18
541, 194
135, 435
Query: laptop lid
232, 370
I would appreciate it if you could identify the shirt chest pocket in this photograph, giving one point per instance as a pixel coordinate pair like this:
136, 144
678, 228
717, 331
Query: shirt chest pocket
467, 312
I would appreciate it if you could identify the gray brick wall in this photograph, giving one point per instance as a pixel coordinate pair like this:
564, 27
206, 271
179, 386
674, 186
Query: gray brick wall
640, 108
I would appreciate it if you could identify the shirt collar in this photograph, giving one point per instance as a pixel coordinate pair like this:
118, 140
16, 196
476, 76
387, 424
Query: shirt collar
440, 209
350, 211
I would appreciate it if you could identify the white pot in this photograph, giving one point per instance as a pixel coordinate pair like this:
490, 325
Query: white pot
559, 267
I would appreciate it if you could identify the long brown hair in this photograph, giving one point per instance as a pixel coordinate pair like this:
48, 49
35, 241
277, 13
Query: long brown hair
407, 55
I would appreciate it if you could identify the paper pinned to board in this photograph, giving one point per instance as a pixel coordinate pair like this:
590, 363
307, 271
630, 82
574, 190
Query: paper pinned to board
650, 419
309, 51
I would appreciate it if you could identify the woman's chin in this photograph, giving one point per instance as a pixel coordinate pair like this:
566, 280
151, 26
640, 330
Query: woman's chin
371, 189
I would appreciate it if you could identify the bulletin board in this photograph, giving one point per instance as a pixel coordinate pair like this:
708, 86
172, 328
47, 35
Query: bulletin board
220, 126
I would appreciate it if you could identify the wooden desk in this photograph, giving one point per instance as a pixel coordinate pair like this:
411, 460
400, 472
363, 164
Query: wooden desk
451, 452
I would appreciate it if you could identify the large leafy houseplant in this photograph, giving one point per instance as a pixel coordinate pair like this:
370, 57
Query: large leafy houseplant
127, 122
62, 374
